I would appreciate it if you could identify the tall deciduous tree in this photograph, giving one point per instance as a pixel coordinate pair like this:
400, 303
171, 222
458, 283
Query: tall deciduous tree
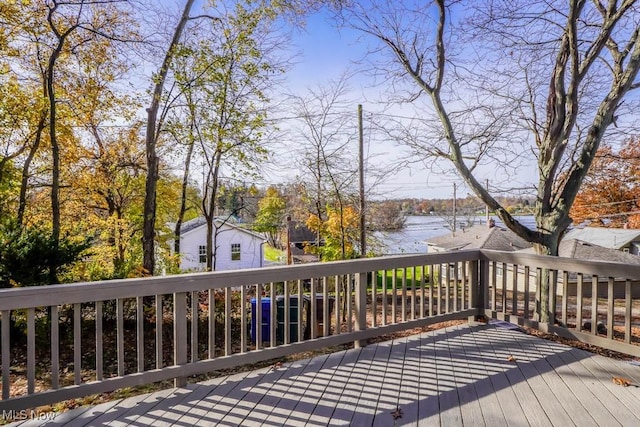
270, 218
503, 78
151, 142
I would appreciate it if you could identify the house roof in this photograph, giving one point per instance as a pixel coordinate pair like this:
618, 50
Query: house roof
202, 222
300, 233
613, 238
578, 249
480, 237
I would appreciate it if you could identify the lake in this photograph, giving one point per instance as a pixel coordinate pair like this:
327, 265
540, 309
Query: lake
411, 239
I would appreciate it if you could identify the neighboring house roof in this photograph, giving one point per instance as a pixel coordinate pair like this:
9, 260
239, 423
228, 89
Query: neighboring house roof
613, 238
578, 249
202, 222
480, 237
300, 233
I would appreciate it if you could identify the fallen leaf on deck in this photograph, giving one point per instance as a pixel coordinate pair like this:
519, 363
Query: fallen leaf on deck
511, 358
396, 414
621, 381
276, 365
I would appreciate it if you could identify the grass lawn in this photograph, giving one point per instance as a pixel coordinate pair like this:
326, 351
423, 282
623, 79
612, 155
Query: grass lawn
410, 274
274, 255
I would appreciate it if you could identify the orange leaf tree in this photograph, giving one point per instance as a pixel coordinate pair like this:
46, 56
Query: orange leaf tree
610, 193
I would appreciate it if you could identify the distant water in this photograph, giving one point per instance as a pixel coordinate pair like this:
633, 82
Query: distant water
417, 229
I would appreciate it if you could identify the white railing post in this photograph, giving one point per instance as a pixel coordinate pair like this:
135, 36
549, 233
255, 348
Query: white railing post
361, 307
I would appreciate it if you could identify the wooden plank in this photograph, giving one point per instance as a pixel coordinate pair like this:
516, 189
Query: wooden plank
274, 399
137, 414
392, 384
548, 387
448, 399
84, 415
480, 368
317, 370
408, 399
238, 403
459, 344
373, 361
602, 370
519, 402
341, 398
427, 393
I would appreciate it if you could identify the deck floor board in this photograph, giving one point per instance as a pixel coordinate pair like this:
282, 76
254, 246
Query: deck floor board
456, 376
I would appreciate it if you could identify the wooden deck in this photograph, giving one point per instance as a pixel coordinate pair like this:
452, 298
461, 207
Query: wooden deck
451, 377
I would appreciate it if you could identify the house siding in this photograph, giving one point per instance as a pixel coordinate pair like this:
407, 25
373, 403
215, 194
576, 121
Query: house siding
250, 249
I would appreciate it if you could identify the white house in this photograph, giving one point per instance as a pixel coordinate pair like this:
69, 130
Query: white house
237, 248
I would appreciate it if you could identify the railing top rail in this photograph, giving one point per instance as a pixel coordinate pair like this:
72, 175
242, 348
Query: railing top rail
18, 298
595, 268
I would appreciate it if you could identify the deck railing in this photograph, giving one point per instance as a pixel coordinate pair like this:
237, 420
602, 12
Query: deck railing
68, 341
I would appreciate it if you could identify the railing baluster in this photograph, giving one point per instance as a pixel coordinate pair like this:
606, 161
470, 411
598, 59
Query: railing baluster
120, 335
394, 296
140, 333
258, 316
77, 344
579, 284
538, 308
422, 290
627, 311
374, 299
99, 341
553, 286
503, 297
273, 319
447, 288
287, 314
514, 289
243, 319
194, 326
180, 334
413, 293
384, 297
6, 353
610, 308
338, 304
314, 313
31, 350
159, 323
439, 294
432, 283
211, 320
527, 296
594, 305
326, 319
227, 321
55, 347
494, 286
565, 297
455, 287
349, 299
464, 292
404, 295
300, 309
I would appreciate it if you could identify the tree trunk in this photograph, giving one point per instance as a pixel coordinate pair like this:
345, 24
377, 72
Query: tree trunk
149, 214
24, 184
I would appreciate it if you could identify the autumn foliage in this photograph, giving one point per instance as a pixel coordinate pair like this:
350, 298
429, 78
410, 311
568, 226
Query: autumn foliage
610, 194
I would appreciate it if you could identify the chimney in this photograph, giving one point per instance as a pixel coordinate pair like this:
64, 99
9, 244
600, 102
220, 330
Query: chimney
491, 223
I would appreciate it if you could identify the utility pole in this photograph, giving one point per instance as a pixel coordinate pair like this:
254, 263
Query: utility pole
363, 237
454, 208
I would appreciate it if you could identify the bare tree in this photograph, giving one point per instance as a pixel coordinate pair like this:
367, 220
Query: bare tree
505, 77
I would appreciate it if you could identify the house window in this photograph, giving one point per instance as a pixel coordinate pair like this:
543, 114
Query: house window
235, 252
202, 254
